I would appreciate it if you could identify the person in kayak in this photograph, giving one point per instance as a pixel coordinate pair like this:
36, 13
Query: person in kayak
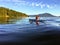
37, 18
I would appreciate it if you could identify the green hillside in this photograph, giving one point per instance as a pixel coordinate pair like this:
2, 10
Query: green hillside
6, 12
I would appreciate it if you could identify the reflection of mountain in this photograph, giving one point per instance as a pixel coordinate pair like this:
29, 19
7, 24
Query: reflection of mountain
7, 20
5, 12
43, 15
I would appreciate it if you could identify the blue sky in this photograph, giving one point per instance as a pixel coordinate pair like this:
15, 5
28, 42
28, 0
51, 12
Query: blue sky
31, 7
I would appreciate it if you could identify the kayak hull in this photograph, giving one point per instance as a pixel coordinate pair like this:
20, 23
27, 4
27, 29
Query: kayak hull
34, 20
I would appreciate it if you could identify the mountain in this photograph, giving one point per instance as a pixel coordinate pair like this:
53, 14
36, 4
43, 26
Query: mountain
46, 15
43, 15
6, 12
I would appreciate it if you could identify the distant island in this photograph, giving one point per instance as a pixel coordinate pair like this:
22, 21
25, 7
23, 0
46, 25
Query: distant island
6, 12
43, 15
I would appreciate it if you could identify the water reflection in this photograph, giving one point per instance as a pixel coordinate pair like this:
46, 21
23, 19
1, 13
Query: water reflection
8, 20
36, 22
25, 20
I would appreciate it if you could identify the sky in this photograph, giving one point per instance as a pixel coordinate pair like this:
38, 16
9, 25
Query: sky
32, 7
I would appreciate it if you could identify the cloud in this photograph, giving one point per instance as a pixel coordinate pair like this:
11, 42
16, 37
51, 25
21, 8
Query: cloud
32, 4
15, 2
24, 3
37, 4
21, 3
50, 6
42, 5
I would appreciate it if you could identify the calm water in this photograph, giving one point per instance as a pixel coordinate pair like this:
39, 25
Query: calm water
13, 30
14, 25
48, 20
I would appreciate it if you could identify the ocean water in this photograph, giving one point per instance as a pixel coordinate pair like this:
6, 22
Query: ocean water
48, 20
22, 30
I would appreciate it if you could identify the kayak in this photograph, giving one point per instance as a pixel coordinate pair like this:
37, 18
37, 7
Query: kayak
34, 20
